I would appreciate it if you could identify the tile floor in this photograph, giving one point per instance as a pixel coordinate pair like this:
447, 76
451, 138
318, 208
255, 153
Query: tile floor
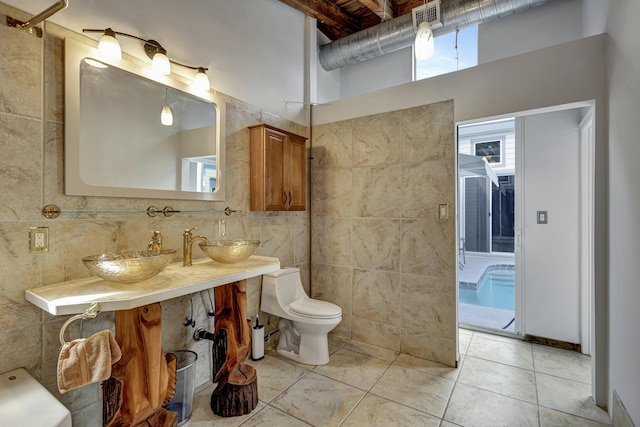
501, 382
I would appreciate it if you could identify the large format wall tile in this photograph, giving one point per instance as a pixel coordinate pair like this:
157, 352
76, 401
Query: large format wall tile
20, 69
375, 333
332, 145
439, 314
21, 165
331, 192
428, 133
333, 284
378, 296
377, 139
331, 243
428, 247
377, 191
376, 244
425, 186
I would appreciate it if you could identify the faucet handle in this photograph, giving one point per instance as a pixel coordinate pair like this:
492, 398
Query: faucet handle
189, 230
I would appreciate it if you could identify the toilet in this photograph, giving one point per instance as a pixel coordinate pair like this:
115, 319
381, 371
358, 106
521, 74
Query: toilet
25, 402
304, 322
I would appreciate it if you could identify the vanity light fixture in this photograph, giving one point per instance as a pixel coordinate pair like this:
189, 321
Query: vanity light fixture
201, 81
160, 62
166, 116
109, 45
30, 25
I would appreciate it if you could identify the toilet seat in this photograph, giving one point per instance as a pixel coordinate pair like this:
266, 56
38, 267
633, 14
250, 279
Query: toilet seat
315, 309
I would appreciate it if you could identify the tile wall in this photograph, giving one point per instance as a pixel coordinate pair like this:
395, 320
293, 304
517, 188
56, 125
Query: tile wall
379, 249
31, 176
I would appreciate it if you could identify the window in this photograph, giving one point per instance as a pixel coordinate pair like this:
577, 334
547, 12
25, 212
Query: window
492, 150
447, 58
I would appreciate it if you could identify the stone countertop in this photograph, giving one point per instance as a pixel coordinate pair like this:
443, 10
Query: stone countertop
75, 296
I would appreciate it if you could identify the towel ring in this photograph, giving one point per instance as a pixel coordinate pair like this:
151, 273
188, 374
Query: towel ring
90, 313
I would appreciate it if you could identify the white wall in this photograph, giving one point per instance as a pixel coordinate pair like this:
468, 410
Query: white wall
550, 149
254, 49
624, 202
385, 71
556, 22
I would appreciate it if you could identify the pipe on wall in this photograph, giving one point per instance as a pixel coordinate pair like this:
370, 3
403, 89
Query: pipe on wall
398, 33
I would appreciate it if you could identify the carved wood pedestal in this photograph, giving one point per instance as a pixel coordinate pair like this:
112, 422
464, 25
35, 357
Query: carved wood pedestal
237, 390
145, 378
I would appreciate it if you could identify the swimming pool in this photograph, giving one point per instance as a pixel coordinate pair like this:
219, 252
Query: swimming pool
495, 289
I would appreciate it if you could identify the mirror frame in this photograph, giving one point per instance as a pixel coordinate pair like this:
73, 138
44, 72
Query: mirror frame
76, 52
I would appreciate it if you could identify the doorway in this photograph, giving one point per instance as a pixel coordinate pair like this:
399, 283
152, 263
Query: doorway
525, 213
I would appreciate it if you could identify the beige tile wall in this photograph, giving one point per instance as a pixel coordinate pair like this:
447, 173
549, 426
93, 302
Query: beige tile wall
31, 175
379, 249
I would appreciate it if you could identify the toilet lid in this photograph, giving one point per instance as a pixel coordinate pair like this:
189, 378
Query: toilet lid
315, 308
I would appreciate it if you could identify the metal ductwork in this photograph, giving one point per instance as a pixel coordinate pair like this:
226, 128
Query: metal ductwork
399, 33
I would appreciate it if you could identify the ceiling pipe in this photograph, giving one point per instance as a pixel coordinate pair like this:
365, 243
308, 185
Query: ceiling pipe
399, 33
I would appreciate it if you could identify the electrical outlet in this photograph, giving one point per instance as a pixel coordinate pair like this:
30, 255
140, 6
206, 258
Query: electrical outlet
222, 227
39, 239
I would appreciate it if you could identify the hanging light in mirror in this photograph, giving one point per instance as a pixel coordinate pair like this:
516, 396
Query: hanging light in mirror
109, 45
201, 81
166, 116
424, 44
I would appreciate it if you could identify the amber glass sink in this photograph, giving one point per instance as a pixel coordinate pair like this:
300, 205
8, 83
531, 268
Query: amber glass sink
229, 251
128, 266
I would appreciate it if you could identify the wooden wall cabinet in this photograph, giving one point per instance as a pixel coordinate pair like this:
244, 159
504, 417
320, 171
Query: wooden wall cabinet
278, 170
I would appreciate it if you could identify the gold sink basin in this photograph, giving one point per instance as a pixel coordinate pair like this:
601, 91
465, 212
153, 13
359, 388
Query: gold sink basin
128, 266
229, 251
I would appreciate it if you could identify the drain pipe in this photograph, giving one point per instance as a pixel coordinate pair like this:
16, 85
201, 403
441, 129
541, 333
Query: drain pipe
399, 33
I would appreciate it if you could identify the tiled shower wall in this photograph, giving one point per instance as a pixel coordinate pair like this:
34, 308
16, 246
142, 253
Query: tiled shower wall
31, 176
379, 249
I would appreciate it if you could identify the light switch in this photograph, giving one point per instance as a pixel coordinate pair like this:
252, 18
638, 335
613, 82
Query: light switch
543, 217
444, 211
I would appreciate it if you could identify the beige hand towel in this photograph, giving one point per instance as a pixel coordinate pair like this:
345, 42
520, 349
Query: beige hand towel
86, 361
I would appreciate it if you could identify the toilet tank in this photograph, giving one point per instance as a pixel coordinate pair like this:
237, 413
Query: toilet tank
25, 402
279, 289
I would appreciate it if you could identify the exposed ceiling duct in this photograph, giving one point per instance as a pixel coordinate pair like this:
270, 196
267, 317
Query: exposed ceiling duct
399, 33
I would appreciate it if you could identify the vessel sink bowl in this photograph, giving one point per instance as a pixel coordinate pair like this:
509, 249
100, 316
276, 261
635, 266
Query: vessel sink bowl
128, 266
229, 251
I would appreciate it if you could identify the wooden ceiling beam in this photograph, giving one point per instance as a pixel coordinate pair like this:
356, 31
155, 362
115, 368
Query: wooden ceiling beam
327, 14
378, 7
405, 7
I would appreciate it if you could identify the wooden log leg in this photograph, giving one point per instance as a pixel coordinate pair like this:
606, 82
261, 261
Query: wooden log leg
237, 390
145, 378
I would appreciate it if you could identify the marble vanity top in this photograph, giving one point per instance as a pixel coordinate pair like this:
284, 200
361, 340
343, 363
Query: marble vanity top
75, 296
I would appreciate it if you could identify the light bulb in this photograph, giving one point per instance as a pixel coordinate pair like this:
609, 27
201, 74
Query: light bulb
160, 63
109, 45
201, 81
166, 117
424, 44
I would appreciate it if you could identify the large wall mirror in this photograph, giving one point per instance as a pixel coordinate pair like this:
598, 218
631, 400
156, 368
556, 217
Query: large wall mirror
116, 143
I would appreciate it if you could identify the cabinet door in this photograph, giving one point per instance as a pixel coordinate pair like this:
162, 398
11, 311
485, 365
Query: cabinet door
297, 176
275, 149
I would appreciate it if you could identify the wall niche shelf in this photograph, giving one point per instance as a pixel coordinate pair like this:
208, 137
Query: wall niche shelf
53, 211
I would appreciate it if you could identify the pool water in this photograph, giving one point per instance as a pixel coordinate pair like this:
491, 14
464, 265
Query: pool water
496, 289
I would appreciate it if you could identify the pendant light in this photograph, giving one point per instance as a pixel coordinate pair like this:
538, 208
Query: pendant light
424, 44
166, 116
109, 45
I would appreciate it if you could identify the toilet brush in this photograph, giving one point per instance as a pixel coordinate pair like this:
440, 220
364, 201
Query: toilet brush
257, 340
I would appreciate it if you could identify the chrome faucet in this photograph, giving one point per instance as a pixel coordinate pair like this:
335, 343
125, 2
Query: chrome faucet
187, 245
155, 245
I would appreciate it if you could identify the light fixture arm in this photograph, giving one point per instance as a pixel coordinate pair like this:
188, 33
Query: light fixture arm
30, 25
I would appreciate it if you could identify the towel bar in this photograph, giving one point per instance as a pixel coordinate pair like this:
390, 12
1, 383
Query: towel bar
89, 313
